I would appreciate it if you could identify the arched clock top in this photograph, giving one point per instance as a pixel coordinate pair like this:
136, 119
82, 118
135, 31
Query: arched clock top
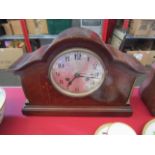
72, 37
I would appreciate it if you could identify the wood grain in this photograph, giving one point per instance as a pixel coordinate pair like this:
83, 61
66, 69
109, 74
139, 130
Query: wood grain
110, 99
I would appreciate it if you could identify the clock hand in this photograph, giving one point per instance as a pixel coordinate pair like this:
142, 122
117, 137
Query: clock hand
76, 75
67, 79
70, 82
88, 76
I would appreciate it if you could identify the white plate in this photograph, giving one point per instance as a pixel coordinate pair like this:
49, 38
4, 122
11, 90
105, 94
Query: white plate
116, 128
103, 129
2, 101
2, 97
149, 128
119, 128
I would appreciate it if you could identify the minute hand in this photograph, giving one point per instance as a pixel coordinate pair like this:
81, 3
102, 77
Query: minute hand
88, 76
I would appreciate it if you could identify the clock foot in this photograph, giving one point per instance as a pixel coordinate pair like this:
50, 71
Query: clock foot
30, 109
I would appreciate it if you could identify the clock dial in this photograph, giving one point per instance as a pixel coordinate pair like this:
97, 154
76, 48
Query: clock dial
77, 72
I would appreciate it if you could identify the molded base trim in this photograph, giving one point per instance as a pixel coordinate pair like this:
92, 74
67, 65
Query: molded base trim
30, 109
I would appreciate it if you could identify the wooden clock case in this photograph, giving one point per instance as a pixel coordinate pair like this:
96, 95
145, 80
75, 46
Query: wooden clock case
147, 90
111, 99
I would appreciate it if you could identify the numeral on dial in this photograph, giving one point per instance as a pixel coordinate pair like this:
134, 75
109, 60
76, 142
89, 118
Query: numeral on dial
77, 56
67, 58
60, 65
77, 90
88, 59
57, 74
97, 74
61, 82
94, 66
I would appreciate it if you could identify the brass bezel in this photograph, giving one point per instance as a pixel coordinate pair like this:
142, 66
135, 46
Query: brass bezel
65, 92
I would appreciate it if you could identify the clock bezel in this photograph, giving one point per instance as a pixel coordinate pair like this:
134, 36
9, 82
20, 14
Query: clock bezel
65, 92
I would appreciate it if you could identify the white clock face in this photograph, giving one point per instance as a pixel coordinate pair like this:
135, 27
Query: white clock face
77, 72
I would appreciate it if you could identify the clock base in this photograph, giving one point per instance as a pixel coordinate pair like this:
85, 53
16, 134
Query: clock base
30, 109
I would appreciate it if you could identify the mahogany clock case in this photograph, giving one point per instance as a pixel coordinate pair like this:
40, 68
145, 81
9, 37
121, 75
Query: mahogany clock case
111, 99
147, 90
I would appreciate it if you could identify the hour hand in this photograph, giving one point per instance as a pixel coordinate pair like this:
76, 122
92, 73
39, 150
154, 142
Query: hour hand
67, 79
71, 81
